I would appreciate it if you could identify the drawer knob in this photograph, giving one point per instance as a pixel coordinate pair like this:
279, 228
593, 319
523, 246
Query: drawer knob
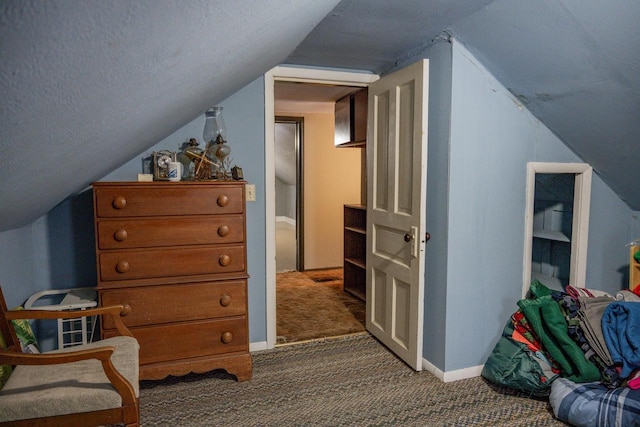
224, 260
119, 202
120, 235
225, 300
126, 309
122, 267
223, 230
223, 201
227, 337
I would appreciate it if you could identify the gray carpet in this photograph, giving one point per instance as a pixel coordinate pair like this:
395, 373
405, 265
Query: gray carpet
345, 381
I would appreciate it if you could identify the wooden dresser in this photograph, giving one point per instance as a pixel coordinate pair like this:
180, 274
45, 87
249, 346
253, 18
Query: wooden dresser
174, 254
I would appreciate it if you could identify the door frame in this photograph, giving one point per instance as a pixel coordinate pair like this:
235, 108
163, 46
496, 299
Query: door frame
580, 229
299, 147
290, 74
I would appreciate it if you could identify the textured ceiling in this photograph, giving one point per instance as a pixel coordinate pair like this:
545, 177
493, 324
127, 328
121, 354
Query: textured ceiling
88, 85
573, 63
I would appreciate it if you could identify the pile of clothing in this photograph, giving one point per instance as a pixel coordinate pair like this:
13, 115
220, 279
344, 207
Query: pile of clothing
559, 341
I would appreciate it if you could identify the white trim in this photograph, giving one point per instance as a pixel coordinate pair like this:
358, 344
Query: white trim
286, 219
258, 346
581, 209
282, 73
317, 75
450, 376
270, 206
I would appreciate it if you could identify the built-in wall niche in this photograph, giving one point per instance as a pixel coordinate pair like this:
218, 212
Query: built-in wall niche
556, 224
552, 229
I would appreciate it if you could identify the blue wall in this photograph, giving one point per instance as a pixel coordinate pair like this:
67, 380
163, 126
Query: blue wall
492, 139
244, 117
24, 263
435, 292
58, 250
480, 141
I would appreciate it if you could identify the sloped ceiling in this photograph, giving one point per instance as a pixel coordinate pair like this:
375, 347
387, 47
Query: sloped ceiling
87, 85
573, 63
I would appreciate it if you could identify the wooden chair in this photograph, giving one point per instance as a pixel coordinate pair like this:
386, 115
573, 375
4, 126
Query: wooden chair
87, 385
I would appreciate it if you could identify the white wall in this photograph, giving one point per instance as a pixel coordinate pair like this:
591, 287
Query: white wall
331, 180
285, 200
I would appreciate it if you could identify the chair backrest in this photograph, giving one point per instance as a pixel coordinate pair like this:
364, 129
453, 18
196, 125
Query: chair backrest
6, 328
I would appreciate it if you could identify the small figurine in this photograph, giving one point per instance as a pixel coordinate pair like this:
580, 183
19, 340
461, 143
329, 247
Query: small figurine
236, 173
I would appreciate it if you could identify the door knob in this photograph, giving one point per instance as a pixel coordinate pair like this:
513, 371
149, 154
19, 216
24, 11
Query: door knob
408, 237
427, 236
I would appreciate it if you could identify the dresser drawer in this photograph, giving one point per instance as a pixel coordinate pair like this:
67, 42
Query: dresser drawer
190, 339
167, 200
155, 232
177, 303
173, 262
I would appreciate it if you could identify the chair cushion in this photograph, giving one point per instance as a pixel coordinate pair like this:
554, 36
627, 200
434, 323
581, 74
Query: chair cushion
43, 391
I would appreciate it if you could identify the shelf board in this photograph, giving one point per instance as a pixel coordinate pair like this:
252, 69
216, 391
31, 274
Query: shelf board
357, 262
356, 230
361, 144
557, 236
356, 293
358, 207
552, 283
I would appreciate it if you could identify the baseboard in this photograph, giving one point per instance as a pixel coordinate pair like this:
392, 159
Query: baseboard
450, 376
258, 346
286, 219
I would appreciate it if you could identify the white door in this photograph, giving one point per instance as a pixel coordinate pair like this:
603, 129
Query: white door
396, 194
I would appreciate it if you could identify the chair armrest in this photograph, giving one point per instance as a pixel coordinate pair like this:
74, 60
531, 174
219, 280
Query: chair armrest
115, 311
16, 358
103, 354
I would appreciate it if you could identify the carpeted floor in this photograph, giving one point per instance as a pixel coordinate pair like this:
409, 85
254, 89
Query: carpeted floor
349, 381
312, 305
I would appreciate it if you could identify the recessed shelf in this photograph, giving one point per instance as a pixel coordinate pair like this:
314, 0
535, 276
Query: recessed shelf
553, 283
557, 236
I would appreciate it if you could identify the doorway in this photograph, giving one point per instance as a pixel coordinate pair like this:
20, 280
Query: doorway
289, 74
411, 95
289, 134
310, 197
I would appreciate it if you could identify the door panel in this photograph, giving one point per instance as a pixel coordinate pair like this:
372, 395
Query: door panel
396, 158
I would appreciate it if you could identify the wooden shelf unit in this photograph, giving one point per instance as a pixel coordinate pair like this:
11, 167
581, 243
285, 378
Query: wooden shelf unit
355, 246
351, 120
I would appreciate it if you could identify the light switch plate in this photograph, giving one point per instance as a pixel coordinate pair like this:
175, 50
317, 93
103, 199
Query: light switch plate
251, 192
